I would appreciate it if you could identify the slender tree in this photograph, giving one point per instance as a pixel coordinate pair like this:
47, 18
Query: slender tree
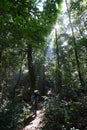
75, 48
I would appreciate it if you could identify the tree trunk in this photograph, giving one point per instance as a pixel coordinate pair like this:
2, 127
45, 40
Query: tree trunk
58, 73
1, 77
75, 48
30, 69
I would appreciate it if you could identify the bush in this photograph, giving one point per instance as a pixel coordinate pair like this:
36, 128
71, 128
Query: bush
58, 114
12, 115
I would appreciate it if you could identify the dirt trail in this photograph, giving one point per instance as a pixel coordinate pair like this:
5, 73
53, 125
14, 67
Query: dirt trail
37, 122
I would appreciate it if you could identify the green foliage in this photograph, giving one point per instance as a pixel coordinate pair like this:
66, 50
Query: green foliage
57, 114
23, 23
69, 92
12, 115
63, 114
82, 42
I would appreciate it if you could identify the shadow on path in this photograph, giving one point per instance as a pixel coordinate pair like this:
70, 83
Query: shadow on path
35, 123
28, 120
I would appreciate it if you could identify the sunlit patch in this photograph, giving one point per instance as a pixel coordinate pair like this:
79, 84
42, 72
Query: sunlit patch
37, 123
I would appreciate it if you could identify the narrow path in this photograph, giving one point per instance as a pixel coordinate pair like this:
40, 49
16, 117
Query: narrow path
37, 123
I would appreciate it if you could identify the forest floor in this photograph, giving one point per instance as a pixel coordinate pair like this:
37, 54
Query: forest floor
35, 123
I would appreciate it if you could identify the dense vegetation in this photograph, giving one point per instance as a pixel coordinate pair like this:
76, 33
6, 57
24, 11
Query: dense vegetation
43, 46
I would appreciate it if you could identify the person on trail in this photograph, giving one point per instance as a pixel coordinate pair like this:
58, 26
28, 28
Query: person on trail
34, 101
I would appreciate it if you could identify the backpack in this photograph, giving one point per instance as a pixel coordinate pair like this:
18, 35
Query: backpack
33, 99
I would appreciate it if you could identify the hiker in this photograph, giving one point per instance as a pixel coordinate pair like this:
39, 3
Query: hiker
34, 101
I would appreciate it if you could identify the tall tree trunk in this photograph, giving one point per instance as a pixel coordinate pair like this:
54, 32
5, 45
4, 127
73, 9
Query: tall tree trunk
75, 48
1, 75
58, 73
30, 68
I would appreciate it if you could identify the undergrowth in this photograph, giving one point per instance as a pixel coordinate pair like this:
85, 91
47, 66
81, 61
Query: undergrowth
65, 113
12, 114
